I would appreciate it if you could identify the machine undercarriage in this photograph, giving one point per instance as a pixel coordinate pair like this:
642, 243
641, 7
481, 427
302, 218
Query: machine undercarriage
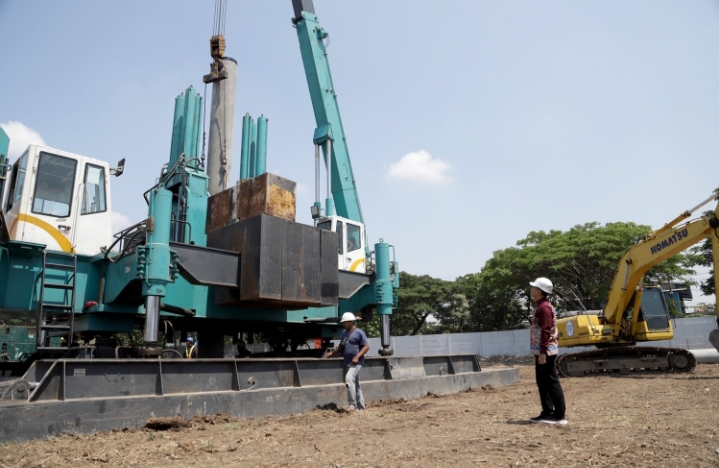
626, 359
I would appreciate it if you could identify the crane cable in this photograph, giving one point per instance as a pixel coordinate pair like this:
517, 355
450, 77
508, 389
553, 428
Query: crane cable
217, 47
218, 28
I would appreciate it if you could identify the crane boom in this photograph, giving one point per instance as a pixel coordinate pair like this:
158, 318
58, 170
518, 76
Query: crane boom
327, 112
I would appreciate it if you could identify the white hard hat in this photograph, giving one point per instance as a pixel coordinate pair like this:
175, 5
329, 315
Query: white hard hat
348, 317
544, 284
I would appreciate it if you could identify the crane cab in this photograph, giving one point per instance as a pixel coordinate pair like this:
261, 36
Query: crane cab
352, 242
58, 199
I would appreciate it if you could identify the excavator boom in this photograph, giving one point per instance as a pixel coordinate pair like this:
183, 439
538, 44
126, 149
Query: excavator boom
648, 253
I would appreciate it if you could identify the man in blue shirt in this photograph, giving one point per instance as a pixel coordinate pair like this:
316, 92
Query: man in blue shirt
353, 346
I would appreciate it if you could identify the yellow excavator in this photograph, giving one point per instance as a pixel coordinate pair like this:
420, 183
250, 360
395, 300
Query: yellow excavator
635, 313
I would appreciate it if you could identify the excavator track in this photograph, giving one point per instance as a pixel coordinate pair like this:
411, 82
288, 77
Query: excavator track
626, 359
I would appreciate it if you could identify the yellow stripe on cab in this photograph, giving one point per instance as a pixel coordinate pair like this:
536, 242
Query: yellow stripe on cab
356, 264
62, 241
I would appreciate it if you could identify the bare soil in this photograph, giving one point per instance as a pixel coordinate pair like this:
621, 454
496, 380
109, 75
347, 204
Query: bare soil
650, 420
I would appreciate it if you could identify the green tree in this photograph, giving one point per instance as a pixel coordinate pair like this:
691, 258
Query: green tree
420, 297
455, 316
372, 327
581, 263
498, 294
702, 256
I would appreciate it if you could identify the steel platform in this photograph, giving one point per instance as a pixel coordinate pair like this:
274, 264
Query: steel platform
90, 395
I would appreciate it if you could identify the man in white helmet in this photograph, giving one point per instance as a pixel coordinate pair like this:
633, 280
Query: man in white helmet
545, 347
353, 346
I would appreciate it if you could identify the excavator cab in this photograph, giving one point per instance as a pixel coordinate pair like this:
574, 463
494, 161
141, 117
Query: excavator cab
59, 199
654, 321
352, 245
655, 312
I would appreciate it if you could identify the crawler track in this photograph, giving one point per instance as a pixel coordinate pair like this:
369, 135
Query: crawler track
626, 359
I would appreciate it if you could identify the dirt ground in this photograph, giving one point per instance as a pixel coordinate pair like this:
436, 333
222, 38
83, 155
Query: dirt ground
647, 420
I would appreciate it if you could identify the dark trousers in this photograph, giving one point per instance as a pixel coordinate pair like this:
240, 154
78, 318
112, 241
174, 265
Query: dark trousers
550, 390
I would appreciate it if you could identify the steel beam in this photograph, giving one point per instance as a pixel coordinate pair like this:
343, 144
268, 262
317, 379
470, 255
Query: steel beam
85, 396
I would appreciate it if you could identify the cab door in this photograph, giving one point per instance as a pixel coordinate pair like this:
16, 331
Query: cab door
14, 200
93, 218
351, 238
49, 216
354, 247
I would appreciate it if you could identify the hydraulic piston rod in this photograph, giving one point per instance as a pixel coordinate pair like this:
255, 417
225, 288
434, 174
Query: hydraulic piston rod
386, 343
317, 174
152, 318
330, 209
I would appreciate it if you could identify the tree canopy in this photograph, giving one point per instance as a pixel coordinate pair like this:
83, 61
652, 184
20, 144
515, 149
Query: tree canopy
702, 256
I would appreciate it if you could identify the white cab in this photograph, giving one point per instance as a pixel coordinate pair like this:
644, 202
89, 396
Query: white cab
59, 199
352, 248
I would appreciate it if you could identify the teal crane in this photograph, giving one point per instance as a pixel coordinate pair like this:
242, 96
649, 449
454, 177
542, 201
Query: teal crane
342, 212
329, 135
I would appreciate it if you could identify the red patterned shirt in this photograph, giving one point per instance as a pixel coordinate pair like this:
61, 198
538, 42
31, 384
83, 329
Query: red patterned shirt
544, 334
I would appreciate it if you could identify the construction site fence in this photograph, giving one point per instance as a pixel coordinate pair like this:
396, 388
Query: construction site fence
689, 333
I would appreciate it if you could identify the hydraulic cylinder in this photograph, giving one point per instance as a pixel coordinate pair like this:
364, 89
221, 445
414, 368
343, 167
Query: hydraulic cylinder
261, 158
253, 149
186, 126
158, 258
383, 292
245, 150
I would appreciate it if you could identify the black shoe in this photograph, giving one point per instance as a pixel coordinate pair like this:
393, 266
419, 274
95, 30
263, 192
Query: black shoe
537, 419
554, 420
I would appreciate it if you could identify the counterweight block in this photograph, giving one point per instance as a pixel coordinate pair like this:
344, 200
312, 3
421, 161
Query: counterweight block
282, 264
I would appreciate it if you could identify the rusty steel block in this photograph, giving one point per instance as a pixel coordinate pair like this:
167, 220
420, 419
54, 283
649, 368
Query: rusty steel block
267, 194
220, 210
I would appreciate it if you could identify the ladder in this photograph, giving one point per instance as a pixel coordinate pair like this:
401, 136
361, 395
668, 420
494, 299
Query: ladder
56, 317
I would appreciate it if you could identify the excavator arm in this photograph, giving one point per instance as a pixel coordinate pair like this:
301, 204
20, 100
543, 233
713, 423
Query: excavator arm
652, 250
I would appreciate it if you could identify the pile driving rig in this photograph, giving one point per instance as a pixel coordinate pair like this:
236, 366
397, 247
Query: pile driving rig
635, 313
212, 259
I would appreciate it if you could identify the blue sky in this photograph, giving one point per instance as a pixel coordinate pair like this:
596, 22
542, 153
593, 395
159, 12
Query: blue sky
516, 116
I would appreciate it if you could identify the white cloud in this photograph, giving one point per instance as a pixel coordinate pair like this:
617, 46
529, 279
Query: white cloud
119, 221
20, 137
421, 167
302, 188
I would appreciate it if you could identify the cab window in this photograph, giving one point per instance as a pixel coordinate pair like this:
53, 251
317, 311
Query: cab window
18, 182
654, 309
340, 234
93, 196
53, 185
354, 241
326, 226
